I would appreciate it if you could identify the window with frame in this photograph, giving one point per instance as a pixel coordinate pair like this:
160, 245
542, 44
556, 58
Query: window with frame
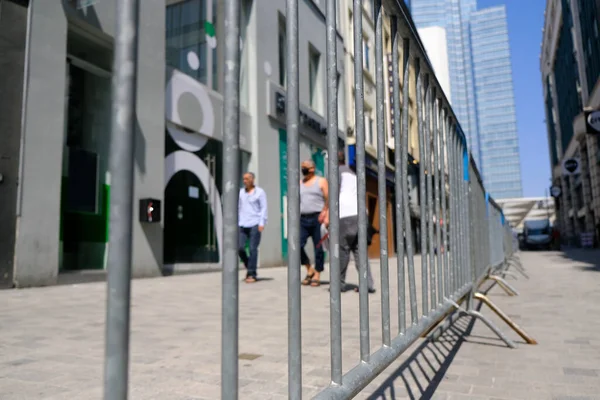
340, 102
314, 87
246, 9
351, 32
369, 126
366, 54
282, 42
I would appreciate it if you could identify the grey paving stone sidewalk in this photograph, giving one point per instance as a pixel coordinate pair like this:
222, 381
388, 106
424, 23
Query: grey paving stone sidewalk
51, 340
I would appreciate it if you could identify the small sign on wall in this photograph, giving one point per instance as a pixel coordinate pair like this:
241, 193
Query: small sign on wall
571, 166
592, 122
194, 192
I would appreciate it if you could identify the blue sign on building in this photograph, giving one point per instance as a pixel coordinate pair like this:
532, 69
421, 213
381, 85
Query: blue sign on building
371, 165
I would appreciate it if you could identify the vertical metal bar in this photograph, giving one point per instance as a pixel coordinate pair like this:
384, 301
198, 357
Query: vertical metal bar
359, 113
465, 208
381, 176
451, 217
231, 184
429, 191
335, 301
467, 213
445, 255
473, 234
122, 150
470, 220
422, 194
293, 181
399, 169
460, 198
460, 212
438, 221
412, 285
454, 215
463, 225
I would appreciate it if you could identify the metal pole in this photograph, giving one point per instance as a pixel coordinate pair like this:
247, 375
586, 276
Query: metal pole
444, 200
399, 176
421, 106
429, 191
335, 300
231, 184
293, 182
412, 285
121, 164
359, 122
381, 176
437, 186
453, 214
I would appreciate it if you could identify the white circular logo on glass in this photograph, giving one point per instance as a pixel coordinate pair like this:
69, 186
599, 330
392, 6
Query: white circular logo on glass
268, 68
193, 60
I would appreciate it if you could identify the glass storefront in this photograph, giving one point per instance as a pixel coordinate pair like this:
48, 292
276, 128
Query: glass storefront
85, 188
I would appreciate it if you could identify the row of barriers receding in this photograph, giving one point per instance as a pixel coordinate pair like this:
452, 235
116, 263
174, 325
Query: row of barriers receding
456, 213
465, 237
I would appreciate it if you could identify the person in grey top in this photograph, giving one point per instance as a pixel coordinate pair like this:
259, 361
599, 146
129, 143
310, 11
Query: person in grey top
314, 194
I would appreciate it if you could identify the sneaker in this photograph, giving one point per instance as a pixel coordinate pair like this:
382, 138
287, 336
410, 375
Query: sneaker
344, 288
371, 290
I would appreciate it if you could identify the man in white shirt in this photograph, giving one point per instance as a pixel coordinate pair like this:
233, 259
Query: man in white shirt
349, 223
252, 218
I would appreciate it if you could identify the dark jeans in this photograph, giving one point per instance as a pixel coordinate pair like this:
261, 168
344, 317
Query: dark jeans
253, 235
349, 244
311, 227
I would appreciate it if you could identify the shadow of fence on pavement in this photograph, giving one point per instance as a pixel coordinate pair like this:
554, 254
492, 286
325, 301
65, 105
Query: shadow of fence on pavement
426, 368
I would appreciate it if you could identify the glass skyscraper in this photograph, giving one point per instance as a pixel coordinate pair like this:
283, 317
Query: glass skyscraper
482, 93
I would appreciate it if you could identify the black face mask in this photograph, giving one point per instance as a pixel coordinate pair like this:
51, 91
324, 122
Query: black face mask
305, 171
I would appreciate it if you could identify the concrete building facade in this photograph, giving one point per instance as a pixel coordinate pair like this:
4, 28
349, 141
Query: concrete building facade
55, 186
56, 63
570, 66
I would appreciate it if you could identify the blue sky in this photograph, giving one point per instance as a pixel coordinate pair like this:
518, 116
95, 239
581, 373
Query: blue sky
525, 22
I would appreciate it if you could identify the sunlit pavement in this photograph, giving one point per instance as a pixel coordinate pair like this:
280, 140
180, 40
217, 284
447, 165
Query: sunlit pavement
51, 339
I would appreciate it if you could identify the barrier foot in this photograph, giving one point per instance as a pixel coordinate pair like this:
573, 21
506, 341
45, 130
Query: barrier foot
505, 318
517, 261
510, 290
444, 318
506, 273
519, 268
490, 324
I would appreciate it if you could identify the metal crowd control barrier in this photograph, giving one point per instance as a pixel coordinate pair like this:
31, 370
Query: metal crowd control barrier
464, 237
456, 214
